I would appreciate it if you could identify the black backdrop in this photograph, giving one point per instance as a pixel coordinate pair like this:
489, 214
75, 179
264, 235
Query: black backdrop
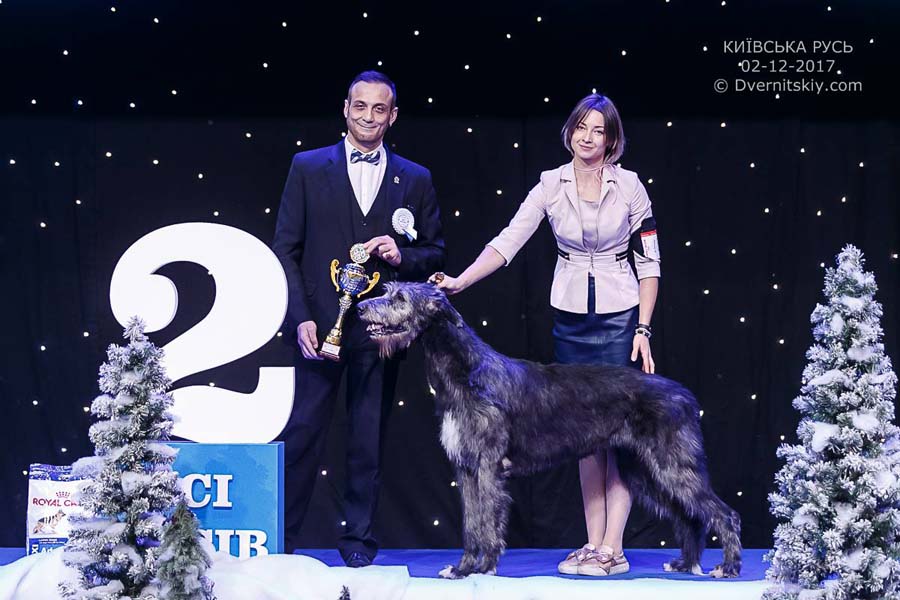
785, 183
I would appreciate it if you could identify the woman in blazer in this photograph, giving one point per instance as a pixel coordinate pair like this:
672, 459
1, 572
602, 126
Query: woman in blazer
599, 213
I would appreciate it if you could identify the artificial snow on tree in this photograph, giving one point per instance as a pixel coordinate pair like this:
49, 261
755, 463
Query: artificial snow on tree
131, 488
183, 560
838, 496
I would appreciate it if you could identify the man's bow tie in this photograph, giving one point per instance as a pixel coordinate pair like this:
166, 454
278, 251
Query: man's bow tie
371, 158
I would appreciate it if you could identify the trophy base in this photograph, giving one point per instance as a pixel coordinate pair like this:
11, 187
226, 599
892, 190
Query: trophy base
330, 351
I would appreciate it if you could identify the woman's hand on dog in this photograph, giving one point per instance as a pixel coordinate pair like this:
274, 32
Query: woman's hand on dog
641, 346
450, 285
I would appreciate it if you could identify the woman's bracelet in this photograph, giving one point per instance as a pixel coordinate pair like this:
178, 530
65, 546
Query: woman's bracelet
644, 330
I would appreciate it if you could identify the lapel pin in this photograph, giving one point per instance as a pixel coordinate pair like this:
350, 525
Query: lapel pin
396, 179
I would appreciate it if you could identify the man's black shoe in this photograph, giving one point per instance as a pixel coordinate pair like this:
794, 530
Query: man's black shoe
358, 559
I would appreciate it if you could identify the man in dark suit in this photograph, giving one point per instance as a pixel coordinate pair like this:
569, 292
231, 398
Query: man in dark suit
336, 197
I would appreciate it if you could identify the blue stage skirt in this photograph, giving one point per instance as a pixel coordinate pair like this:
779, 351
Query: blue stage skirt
594, 339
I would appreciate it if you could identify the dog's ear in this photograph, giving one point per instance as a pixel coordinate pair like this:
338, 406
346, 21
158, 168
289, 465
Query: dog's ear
439, 305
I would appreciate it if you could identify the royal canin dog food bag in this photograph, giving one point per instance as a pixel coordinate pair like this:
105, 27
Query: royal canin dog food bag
51, 501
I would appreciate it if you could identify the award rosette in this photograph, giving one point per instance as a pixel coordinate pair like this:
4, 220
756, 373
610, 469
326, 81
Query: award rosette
404, 223
351, 282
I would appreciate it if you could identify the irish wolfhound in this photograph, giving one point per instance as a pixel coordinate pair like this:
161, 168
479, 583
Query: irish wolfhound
503, 416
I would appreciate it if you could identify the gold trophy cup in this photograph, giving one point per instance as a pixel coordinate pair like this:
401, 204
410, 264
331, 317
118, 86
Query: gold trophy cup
352, 282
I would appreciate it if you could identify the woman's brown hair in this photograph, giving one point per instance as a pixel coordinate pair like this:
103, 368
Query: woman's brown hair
612, 125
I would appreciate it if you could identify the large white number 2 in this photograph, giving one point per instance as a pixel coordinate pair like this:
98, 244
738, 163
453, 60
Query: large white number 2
249, 307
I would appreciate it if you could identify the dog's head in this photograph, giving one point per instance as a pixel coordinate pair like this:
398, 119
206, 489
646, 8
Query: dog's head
397, 318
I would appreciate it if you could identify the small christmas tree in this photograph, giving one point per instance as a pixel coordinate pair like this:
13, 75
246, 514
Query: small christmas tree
183, 561
838, 496
132, 486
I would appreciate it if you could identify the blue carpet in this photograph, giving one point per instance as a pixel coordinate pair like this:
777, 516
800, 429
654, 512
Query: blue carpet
520, 562
528, 562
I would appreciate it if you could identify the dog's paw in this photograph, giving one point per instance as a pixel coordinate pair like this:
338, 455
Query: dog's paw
450, 572
723, 571
679, 566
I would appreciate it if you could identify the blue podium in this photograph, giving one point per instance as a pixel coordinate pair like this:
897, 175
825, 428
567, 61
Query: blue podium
237, 493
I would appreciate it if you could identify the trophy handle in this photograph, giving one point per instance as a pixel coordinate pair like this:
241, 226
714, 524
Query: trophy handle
334, 272
372, 282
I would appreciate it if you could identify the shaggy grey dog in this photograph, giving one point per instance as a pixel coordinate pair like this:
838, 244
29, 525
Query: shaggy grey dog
503, 416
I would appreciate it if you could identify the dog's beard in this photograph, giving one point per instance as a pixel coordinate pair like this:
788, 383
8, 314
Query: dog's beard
389, 338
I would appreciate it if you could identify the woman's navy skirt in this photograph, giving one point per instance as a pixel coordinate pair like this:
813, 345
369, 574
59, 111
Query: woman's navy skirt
592, 338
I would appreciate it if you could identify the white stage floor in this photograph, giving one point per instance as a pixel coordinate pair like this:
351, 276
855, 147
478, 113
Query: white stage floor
283, 577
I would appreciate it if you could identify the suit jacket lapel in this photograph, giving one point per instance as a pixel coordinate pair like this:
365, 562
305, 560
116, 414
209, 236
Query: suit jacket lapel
396, 185
571, 188
340, 191
567, 175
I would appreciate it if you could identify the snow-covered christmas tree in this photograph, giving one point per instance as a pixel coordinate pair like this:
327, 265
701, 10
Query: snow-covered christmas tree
131, 487
838, 496
183, 561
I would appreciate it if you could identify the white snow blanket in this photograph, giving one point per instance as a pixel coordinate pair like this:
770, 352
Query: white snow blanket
295, 577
